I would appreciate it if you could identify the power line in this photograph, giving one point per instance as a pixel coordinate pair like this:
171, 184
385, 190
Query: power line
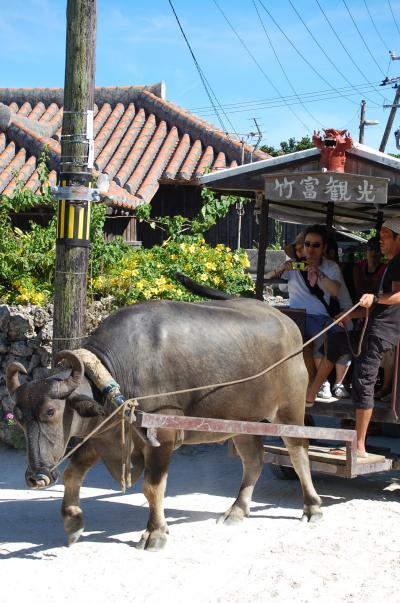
363, 39
305, 96
394, 18
259, 66
375, 27
321, 48
344, 47
301, 54
356, 114
277, 104
204, 81
281, 66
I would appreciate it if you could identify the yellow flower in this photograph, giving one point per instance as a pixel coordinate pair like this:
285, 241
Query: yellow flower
173, 256
192, 248
211, 266
141, 284
203, 277
216, 280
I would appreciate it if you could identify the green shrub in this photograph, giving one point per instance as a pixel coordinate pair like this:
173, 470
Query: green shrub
27, 258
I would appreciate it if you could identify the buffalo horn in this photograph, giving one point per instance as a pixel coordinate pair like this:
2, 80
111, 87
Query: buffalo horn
67, 386
12, 376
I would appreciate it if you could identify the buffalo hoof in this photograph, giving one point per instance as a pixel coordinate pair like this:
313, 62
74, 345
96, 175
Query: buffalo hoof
233, 517
74, 537
311, 514
153, 541
73, 523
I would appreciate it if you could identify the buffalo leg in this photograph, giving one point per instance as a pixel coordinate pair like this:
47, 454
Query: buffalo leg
298, 451
155, 481
83, 459
250, 450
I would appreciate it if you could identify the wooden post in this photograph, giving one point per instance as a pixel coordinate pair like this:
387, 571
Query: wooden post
262, 247
76, 164
330, 215
379, 222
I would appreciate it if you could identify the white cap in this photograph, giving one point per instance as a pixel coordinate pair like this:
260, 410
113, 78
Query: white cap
392, 224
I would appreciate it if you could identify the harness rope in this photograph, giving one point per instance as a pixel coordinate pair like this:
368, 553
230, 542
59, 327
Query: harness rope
130, 404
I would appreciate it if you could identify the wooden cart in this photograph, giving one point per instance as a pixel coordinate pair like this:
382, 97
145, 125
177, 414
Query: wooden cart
294, 189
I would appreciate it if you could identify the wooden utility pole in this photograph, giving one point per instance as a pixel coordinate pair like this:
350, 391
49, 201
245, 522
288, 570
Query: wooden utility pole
362, 123
390, 120
75, 182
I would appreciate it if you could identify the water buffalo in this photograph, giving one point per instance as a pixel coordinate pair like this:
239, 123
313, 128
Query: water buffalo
156, 347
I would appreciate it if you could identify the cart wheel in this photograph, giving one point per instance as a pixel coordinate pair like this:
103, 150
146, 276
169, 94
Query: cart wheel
282, 472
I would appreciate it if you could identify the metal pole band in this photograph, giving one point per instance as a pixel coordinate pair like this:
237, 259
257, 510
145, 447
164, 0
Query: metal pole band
73, 224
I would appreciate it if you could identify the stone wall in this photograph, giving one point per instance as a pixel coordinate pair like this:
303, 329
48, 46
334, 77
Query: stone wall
26, 337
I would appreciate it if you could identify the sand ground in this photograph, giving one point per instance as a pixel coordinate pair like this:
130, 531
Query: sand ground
351, 555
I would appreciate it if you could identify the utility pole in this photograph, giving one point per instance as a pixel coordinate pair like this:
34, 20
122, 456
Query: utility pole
362, 124
75, 182
390, 120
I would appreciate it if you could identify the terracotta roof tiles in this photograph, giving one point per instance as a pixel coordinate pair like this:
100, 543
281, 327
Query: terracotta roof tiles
141, 139
178, 157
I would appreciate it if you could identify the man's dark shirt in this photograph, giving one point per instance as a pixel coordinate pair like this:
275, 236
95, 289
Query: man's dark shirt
384, 321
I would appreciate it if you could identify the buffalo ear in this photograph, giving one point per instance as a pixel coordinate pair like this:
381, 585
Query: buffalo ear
85, 406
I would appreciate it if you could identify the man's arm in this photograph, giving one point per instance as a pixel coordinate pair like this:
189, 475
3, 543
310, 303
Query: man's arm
277, 272
387, 299
329, 285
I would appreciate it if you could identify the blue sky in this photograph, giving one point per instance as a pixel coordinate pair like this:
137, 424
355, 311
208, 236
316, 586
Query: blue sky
140, 43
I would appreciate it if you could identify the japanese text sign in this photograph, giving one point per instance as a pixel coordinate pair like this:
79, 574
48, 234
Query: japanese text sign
325, 187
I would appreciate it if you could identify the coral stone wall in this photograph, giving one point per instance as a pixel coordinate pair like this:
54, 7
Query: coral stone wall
26, 337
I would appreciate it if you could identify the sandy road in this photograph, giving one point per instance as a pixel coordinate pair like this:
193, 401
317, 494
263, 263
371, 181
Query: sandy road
352, 555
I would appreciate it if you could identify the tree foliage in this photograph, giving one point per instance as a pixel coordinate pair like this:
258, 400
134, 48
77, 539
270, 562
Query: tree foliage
289, 146
116, 270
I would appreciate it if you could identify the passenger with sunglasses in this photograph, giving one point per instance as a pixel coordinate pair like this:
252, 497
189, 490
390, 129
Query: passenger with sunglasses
312, 289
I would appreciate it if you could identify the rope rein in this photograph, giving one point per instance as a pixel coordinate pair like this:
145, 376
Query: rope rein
127, 409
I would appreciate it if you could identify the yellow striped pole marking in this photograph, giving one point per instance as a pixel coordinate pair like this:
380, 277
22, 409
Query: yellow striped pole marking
71, 222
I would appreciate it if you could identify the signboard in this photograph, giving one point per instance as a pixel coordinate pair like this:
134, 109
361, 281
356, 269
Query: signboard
325, 187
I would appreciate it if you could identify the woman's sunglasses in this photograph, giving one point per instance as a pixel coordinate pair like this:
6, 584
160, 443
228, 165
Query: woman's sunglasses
314, 245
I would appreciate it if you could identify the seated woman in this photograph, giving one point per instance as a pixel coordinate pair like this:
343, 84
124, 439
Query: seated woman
337, 346
295, 250
342, 363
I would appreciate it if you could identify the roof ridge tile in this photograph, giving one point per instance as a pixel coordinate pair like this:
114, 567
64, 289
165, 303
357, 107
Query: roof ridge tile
137, 151
126, 143
144, 164
126, 119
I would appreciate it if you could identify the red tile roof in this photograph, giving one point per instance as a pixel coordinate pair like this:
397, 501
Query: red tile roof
140, 140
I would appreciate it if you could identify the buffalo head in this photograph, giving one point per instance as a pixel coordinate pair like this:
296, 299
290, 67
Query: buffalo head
44, 408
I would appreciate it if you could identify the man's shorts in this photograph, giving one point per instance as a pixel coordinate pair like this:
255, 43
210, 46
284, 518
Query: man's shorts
365, 370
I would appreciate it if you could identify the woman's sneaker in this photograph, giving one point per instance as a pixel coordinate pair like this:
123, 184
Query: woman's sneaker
325, 391
339, 391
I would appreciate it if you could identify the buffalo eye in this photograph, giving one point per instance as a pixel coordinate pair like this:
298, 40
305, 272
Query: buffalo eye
50, 412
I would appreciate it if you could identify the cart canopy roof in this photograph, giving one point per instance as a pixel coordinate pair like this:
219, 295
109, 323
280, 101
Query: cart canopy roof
246, 180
